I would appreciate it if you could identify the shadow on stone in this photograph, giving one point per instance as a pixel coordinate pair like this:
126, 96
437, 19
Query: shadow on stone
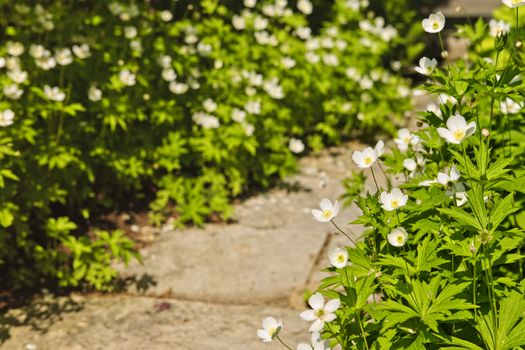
139, 283
39, 314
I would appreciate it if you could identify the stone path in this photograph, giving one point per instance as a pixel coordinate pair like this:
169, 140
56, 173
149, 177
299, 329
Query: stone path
468, 8
210, 288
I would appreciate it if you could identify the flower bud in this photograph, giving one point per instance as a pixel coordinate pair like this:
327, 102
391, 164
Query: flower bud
444, 54
518, 44
501, 42
485, 132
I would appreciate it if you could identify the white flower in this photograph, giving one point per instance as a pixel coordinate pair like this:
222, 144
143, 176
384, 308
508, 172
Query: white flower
513, 3
13, 63
248, 128
2, 62
510, 106
169, 74
404, 139
46, 62
13, 91
36, 51
312, 57
81, 51
238, 22
461, 198
209, 105
206, 121
498, 28
164, 61
426, 66
303, 33
166, 15
204, 49
320, 312
366, 158
94, 94
270, 329
250, 3
15, 48
330, 60
397, 237
273, 88
321, 345
288, 62
305, 6
393, 200
17, 76
130, 32
127, 78
6, 117
450, 178
296, 145
54, 93
328, 210
413, 165
457, 129
434, 23
260, 23
63, 56
253, 107
238, 115
444, 98
338, 258
178, 88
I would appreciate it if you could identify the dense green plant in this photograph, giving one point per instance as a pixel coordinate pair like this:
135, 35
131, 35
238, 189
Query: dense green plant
182, 105
440, 264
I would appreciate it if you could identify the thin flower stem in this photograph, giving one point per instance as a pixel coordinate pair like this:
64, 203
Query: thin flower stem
374, 176
441, 43
358, 314
283, 343
344, 233
389, 183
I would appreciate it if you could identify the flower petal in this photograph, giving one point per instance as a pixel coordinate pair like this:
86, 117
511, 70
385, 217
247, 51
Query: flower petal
332, 305
317, 326
326, 204
318, 215
308, 315
316, 301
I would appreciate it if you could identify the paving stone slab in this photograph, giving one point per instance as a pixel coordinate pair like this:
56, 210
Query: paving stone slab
468, 8
266, 256
141, 323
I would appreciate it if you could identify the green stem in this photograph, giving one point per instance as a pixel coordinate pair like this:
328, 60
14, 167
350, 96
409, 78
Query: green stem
374, 176
344, 233
358, 314
283, 343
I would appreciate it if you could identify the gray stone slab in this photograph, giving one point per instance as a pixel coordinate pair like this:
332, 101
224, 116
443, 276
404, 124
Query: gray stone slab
469, 8
141, 323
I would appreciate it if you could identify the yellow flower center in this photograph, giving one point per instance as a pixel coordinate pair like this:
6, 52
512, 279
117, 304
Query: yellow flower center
407, 139
394, 203
341, 258
327, 214
368, 160
319, 313
273, 332
400, 239
459, 134
435, 25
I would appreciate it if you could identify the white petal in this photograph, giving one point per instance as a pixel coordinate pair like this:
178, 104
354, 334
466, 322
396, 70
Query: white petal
316, 301
304, 347
269, 322
308, 315
264, 335
326, 204
317, 326
454, 174
336, 208
443, 178
318, 215
332, 305
447, 135
329, 317
456, 122
471, 129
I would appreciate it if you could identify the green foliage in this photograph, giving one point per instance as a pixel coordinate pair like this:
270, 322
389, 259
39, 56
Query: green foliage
178, 104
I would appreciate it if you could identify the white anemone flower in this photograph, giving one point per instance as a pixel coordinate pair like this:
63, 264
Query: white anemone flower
63, 56
270, 329
320, 312
457, 129
296, 146
250, 3
206, 121
169, 74
209, 105
426, 65
338, 258
393, 200
366, 158
328, 210
127, 78
130, 32
54, 93
46, 62
13, 91
238, 22
178, 88
166, 15
305, 6
94, 94
509, 106
15, 48
320, 345
434, 23
513, 3
405, 138
36, 51
498, 28
238, 115
17, 76
7, 117
253, 107
450, 178
397, 237
413, 165
81, 51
